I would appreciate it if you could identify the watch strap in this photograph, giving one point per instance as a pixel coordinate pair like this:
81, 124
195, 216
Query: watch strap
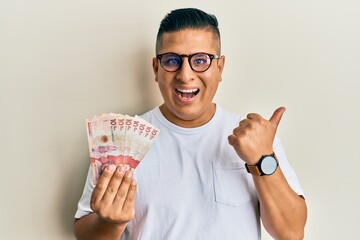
253, 169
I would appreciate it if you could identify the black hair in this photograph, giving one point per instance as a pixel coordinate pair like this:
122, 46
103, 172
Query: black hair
183, 18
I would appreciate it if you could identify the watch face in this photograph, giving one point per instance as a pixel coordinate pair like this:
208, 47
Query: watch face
268, 165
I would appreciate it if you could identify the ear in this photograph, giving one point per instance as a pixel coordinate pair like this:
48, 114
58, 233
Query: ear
220, 66
155, 65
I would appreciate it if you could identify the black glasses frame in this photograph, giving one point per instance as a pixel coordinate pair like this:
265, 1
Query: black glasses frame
189, 56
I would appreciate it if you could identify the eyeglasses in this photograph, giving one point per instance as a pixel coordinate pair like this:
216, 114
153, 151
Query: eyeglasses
199, 62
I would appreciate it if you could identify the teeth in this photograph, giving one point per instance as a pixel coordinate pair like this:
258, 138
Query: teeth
188, 90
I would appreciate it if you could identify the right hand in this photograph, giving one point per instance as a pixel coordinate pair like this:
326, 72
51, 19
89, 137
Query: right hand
114, 195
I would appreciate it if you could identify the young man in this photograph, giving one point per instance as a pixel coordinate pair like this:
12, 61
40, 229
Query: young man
210, 173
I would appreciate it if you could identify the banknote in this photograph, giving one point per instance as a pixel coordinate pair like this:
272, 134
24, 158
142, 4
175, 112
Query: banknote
118, 139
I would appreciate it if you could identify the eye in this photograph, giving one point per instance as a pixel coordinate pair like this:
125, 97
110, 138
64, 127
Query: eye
200, 59
171, 60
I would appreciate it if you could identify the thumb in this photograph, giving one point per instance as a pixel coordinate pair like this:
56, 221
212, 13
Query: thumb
276, 117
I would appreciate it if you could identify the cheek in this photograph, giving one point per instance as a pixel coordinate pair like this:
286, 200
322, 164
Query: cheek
164, 88
212, 80
163, 83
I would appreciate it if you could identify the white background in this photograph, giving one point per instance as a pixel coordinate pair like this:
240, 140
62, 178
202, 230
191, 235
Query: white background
64, 61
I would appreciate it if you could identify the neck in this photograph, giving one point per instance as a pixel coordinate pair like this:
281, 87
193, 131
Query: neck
189, 122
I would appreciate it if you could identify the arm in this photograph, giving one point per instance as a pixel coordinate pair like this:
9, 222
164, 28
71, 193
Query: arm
282, 211
113, 204
93, 227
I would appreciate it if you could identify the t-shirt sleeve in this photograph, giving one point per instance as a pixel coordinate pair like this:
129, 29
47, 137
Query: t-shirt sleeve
288, 171
84, 202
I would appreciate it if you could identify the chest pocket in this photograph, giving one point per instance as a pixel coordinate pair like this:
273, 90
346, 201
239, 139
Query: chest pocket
231, 183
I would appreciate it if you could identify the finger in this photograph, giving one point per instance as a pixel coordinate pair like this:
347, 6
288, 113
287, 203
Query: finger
240, 130
130, 198
123, 189
113, 186
244, 122
253, 116
277, 115
231, 139
102, 184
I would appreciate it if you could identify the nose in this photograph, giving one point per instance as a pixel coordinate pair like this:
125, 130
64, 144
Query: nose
185, 73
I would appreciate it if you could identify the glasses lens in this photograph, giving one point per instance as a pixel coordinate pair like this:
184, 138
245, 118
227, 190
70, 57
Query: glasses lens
200, 62
171, 62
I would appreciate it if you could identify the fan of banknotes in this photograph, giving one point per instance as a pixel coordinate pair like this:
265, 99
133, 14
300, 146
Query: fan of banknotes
118, 139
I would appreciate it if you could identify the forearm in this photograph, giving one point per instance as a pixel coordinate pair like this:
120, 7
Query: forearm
283, 212
91, 227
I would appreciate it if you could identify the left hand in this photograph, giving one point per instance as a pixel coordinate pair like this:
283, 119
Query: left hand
255, 135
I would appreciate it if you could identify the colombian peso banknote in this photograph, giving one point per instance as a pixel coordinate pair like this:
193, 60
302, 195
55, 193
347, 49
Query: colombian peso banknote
118, 139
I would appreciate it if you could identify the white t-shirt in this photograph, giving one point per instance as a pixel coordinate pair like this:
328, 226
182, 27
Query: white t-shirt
193, 185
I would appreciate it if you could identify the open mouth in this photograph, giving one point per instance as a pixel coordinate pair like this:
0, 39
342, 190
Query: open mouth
187, 93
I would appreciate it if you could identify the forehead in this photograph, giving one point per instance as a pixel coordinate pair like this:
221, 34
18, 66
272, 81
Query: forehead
187, 41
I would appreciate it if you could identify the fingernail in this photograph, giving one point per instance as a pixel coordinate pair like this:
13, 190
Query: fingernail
110, 168
127, 167
129, 174
122, 169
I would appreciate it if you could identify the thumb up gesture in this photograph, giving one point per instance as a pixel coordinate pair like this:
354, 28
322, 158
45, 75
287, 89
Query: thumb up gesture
254, 136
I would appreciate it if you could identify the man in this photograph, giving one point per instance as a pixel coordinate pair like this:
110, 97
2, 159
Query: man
210, 173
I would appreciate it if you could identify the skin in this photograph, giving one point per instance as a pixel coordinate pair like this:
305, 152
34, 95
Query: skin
113, 204
282, 211
200, 109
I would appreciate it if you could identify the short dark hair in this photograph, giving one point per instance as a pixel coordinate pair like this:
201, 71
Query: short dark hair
183, 18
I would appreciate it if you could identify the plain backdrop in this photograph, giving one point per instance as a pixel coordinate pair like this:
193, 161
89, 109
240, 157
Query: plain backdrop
64, 61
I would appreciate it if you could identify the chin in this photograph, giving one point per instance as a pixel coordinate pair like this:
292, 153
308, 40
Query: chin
188, 115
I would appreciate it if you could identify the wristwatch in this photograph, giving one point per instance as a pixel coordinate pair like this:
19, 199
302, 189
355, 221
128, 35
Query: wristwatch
267, 165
